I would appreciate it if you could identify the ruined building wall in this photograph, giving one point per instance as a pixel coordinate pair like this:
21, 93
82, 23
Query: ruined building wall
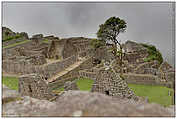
65, 48
69, 50
142, 68
109, 83
103, 54
10, 52
33, 85
56, 49
24, 67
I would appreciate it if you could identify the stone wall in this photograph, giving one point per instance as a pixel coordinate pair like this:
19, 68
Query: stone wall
132, 57
103, 54
52, 69
64, 48
164, 67
71, 75
33, 85
24, 67
146, 79
69, 50
25, 52
9, 52
142, 68
56, 49
70, 86
140, 79
110, 83
21, 67
85, 74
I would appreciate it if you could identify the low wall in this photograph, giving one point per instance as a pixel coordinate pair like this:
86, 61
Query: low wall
9, 52
90, 75
142, 68
140, 79
19, 67
145, 80
22, 67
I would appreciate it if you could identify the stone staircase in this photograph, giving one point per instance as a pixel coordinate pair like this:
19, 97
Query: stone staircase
66, 70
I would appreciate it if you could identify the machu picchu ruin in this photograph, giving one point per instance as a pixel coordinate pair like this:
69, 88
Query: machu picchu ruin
88, 60
44, 66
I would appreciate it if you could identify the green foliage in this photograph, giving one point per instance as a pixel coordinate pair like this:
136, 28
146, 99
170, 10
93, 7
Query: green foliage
154, 54
111, 28
46, 41
156, 94
84, 84
58, 90
8, 38
11, 82
95, 43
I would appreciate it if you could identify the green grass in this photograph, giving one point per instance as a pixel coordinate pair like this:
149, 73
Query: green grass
58, 90
156, 94
8, 38
12, 45
10, 82
46, 41
84, 84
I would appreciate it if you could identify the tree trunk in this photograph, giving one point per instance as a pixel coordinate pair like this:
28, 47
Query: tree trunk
121, 61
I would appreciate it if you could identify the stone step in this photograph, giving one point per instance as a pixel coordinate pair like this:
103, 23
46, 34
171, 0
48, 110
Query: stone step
133, 74
66, 70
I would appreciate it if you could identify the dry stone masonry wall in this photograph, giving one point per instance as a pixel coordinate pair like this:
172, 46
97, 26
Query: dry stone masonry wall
34, 85
70, 86
107, 82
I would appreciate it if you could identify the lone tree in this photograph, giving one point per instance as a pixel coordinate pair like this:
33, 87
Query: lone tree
109, 32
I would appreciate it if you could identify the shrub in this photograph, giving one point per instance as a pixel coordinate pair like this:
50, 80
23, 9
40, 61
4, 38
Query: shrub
11, 37
95, 43
154, 54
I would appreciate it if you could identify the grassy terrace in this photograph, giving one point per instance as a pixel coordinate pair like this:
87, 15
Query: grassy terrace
156, 94
84, 84
11, 82
46, 41
12, 45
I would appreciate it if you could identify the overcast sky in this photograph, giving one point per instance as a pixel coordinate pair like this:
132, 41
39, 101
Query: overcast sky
146, 22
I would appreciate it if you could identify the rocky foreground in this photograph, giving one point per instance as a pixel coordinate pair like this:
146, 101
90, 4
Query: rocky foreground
79, 103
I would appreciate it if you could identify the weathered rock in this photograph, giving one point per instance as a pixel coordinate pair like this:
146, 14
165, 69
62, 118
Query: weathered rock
82, 103
27, 106
131, 46
6, 92
96, 104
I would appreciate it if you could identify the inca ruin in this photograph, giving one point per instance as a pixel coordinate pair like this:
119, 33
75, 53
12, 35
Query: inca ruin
51, 75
